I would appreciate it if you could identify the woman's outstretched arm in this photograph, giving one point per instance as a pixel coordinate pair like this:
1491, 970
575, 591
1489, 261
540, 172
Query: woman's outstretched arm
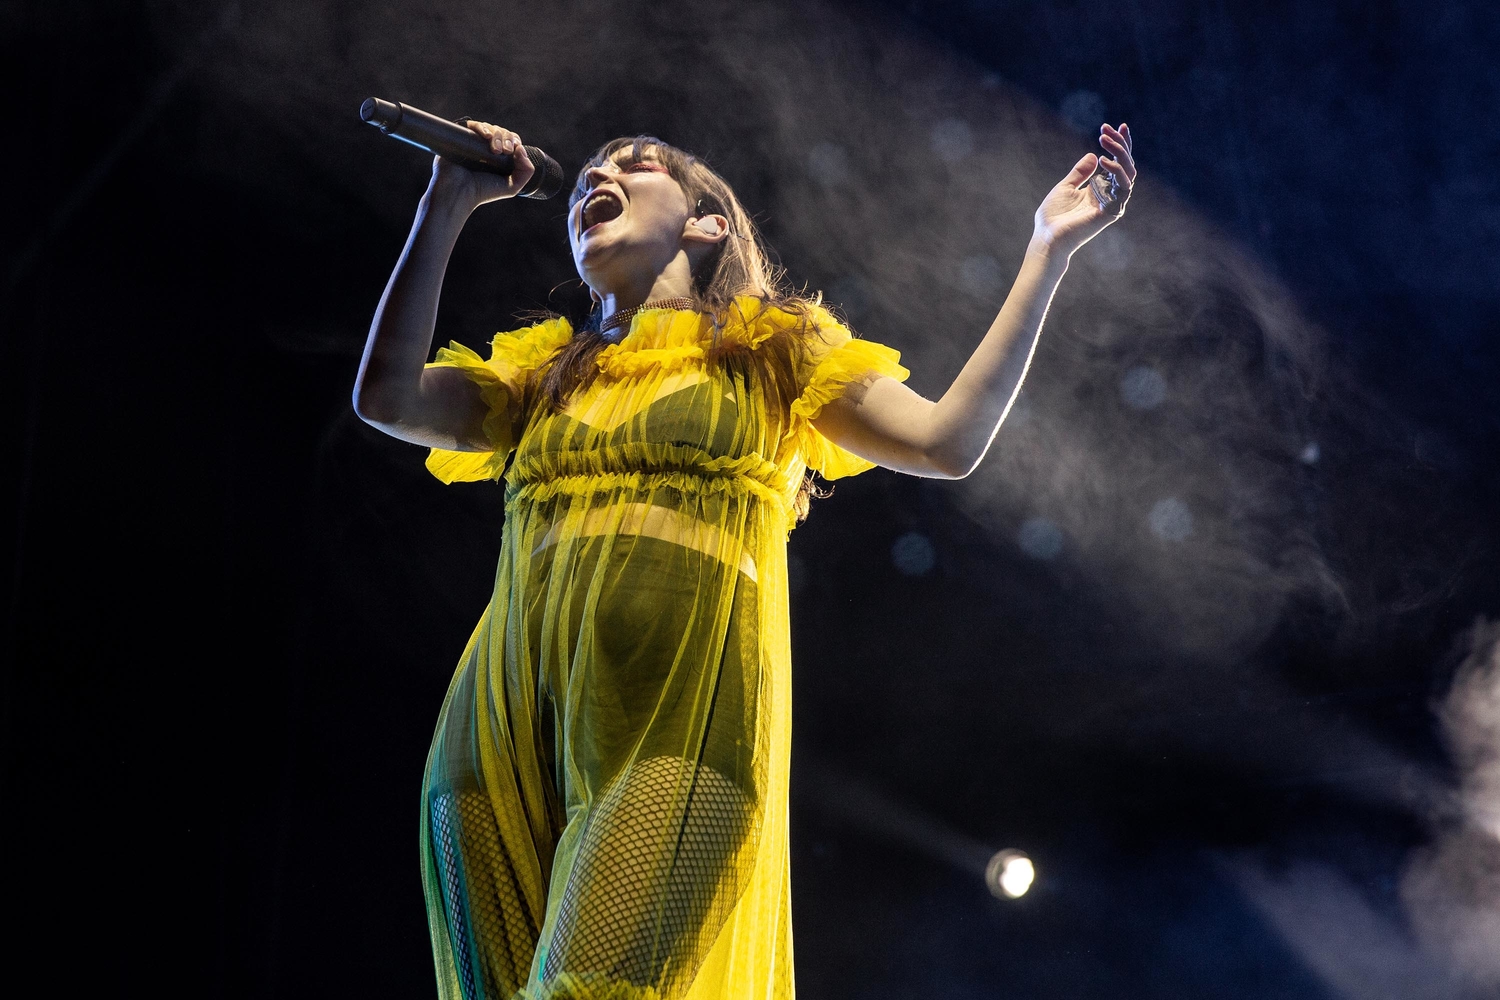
439, 407
892, 426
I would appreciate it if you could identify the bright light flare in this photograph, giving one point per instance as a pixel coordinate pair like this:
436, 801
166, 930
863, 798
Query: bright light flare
1009, 874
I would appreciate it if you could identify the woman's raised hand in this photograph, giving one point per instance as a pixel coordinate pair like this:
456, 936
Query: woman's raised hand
1092, 195
472, 188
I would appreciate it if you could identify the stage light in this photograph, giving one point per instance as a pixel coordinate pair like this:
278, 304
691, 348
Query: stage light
1009, 874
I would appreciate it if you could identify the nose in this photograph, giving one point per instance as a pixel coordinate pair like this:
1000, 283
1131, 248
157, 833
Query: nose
600, 173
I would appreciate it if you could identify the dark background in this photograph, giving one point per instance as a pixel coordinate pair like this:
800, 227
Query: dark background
234, 609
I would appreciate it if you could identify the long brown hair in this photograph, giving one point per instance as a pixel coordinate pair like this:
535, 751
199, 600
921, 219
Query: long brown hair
739, 266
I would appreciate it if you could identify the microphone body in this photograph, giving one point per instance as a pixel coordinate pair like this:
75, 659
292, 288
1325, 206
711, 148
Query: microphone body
453, 141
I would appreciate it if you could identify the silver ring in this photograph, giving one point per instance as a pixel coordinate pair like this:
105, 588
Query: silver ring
1106, 188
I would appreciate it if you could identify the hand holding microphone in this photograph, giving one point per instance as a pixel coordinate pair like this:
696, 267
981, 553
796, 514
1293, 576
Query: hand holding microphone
492, 160
488, 185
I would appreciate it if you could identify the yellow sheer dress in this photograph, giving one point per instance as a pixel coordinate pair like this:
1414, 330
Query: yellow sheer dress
604, 810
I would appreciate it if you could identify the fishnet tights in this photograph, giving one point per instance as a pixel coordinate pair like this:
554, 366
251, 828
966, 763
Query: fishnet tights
485, 912
663, 861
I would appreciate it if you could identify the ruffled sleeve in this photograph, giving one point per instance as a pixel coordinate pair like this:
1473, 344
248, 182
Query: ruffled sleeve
513, 356
835, 361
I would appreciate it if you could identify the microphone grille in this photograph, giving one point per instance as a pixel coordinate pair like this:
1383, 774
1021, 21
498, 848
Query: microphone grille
548, 179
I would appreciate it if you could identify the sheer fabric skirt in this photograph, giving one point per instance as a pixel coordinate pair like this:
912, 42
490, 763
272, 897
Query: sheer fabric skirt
594, 808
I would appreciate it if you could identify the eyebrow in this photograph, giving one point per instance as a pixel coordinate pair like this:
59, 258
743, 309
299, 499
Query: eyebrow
626, 156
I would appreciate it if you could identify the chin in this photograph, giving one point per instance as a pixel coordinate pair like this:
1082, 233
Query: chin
595, 255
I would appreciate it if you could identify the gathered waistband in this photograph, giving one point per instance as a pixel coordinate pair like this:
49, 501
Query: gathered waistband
645, 482
653, 521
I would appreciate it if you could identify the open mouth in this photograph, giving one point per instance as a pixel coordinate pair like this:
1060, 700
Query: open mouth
601, 207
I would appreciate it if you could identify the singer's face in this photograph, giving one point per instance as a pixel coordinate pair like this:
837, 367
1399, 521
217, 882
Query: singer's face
630, 220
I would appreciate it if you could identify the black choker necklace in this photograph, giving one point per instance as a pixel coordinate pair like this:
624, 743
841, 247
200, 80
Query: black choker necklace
623, 316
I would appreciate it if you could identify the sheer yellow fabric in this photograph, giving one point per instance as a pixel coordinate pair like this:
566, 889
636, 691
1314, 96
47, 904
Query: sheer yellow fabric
604, 810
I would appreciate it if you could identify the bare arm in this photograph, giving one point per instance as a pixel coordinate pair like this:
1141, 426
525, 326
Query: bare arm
440, 407
892, 426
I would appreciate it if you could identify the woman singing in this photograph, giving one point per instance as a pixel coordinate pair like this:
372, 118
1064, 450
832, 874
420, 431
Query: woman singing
604, 811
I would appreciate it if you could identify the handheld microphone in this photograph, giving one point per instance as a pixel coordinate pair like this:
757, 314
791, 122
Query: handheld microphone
453, 141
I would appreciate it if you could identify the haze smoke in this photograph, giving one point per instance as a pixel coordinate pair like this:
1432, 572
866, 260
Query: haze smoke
1179, 441
1450, 890
1166, 443
1355, 950
854, 800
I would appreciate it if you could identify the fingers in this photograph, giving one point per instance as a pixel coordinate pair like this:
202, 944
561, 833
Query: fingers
501, 140
1113, 176
1117, 142
1120, 168
492, 183
1082, 171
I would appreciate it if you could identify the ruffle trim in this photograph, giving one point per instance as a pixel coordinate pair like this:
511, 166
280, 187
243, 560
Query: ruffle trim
667, 339
637, 483
512, 355
527, 348
663, 340
618, 363
850, 362
757, 324
657, 457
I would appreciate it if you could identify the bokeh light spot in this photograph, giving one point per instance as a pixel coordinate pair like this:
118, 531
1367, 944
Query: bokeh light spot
1310, 453
1040, 538
952, 140
979, 275
1143, 388
828, 163
1083, 110
913, 554
1171, 520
